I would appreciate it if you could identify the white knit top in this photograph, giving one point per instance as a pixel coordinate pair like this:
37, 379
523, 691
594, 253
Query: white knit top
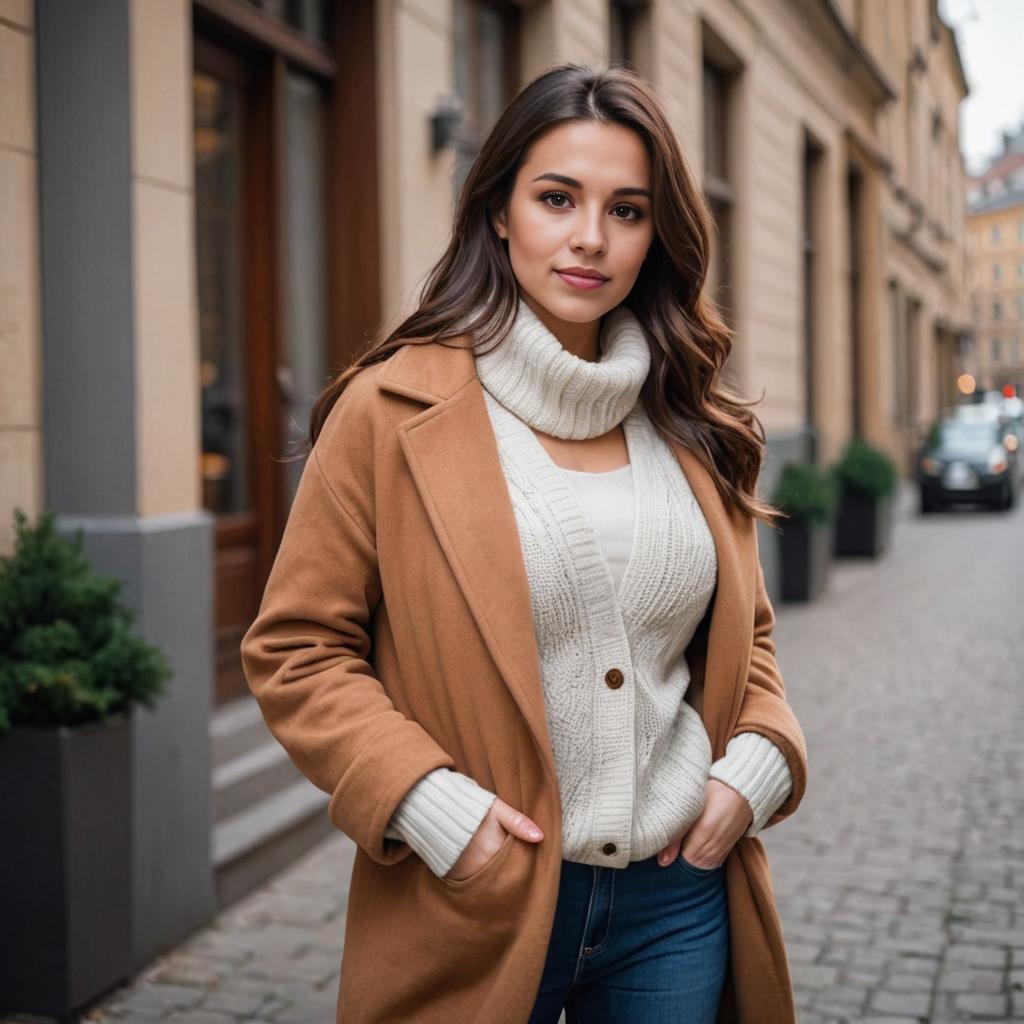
621, 566
607, 501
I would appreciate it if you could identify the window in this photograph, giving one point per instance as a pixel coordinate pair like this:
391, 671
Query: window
811, 182
854, 219
997, 310
486, 53
1020, 269
1016, 352
997, 352
717, 182
997, 272
1020, 307
625, 21
896, 349
1020, 232
995, 234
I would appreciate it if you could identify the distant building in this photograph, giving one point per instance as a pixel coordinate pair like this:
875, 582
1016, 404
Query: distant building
995, 255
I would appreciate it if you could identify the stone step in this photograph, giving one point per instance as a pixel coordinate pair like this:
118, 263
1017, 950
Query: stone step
235, 729
254, 844
251, 777
266, 814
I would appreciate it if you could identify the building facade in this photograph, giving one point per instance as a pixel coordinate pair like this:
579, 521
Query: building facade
212, 205
995, 255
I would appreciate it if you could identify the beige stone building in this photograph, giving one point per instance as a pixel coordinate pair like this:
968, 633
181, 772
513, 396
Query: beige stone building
210, 204
995, 261
827, 136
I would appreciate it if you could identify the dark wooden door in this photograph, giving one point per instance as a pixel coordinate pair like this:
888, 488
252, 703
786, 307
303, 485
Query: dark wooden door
287, 243
236, 299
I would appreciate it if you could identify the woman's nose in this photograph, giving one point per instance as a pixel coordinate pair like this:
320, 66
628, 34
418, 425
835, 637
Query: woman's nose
590, 236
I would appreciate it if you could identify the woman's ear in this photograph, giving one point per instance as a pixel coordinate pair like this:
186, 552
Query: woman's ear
499, 223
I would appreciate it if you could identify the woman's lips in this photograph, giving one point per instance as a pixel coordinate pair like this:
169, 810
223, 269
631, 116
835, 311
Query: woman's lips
586, 284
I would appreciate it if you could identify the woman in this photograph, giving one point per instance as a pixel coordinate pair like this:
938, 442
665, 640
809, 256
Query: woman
517, 625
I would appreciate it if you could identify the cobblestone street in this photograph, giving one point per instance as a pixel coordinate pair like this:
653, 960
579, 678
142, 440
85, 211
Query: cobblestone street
901, 876
899, 880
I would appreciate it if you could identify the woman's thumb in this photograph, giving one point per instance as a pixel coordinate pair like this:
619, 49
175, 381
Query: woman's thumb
517, 823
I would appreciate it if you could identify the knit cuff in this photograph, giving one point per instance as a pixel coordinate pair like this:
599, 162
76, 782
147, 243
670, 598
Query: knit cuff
438, 817
758, 771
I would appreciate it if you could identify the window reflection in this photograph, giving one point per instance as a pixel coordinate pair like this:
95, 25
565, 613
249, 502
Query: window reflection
305, 373
223, 461
486, 71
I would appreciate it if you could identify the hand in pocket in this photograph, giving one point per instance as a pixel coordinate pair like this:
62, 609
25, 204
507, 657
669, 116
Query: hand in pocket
501, 820
709, 840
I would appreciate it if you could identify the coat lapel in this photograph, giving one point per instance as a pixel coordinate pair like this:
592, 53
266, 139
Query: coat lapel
453, 458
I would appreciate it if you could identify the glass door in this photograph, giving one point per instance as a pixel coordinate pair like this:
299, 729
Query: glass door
230, 388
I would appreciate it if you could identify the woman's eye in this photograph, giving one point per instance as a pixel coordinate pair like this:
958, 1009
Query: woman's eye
554, 195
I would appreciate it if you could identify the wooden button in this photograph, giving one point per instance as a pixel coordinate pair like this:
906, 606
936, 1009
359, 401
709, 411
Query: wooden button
609, 848
614, 678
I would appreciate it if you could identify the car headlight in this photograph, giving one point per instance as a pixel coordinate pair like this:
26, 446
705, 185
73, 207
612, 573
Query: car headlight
997, 461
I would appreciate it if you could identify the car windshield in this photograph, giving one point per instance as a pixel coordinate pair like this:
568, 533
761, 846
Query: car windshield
958, 438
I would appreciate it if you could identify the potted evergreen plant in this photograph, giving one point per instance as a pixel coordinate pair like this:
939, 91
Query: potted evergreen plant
867, 478
807, 496
71, 669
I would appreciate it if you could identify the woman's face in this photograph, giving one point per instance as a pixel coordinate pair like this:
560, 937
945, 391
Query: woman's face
581, 199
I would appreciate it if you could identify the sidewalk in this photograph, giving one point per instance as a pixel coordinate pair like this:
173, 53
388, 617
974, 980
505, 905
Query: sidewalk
272, 958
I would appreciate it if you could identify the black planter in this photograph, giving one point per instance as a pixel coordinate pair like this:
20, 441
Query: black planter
864, 523
805, 552
65, 862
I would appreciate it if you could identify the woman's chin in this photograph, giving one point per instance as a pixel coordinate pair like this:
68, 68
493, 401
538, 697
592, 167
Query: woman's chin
581, 309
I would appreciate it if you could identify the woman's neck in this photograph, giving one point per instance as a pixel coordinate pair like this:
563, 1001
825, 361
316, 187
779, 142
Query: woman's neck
579, 339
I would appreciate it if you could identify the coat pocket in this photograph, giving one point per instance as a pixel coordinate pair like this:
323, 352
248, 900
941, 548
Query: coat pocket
485, 869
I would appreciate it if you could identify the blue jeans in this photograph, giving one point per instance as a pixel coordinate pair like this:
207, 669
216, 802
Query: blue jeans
645, 944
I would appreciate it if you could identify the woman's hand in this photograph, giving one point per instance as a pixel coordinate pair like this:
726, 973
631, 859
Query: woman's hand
707, 842
501, 819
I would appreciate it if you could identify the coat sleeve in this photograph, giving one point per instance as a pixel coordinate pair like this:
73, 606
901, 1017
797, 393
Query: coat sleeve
307, 654
764, 708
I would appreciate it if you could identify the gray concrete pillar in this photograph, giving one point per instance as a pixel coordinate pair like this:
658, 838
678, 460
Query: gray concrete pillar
98, 435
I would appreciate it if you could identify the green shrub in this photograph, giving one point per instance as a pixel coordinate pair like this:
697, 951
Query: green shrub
806, 493
863, 467
68, 653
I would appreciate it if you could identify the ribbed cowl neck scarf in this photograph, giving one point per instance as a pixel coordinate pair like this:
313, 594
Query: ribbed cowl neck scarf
534, 376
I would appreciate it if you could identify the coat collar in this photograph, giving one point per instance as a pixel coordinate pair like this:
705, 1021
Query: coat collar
453, 457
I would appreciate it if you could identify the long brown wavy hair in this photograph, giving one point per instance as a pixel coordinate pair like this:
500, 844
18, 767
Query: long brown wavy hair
472, 290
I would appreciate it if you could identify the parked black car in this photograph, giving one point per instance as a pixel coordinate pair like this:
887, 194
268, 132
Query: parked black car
965, 459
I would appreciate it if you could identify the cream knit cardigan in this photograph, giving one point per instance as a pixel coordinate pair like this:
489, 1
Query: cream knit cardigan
632, 756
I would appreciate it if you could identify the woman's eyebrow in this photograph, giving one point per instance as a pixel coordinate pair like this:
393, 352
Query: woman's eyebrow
573, 183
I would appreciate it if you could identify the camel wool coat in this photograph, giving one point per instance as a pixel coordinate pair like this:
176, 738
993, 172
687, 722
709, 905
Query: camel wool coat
395, 636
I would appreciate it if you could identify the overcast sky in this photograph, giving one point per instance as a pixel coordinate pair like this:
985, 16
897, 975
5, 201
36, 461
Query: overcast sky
990, 36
